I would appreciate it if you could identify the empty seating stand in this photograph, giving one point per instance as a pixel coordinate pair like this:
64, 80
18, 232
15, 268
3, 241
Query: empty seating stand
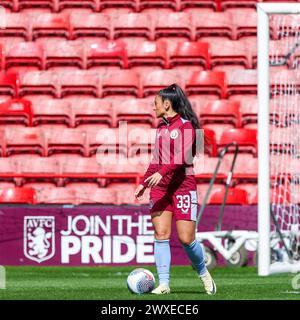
72, 71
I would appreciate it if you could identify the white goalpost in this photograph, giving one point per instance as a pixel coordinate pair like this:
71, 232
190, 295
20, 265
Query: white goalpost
278, 36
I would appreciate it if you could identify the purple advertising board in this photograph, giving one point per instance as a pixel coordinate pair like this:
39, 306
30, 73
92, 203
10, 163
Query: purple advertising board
98, 235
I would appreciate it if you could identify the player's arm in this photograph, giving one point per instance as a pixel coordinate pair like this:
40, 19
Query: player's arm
144, 184
151, 169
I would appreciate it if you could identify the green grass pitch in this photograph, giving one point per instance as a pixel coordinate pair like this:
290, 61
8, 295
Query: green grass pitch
109, 283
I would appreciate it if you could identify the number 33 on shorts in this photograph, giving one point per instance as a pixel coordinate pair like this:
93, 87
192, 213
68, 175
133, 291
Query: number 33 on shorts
187, 203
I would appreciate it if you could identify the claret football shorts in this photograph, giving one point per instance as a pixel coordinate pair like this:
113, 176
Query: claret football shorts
183, 204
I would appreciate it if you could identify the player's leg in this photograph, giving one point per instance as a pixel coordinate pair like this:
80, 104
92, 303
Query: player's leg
162, 223
186, 235
185, 211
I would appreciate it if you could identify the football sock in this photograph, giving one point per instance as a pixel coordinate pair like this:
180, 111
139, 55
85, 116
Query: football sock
162, 254
196, 256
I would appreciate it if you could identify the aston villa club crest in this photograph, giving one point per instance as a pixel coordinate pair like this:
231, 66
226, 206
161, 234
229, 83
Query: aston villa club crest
39, 238
174, 134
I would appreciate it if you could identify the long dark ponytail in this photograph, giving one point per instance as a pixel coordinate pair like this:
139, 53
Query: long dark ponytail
180, 103
182, 106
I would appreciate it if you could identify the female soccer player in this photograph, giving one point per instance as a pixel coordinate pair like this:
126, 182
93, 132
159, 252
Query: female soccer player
173, 185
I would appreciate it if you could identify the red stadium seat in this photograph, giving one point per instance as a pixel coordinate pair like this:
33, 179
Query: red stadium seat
245, 168
158, 79
104, 4
82, 82
123, 169
125, 192
251, 189
64, 53
132, 25
115, 11
235, 196
134, 111
223, 111
25, 140
93, 111
107, 53
215, 24
83, 170
193, 4
18, 195
96, 25
245, 24
2, 57
175, 24
205, 167
8, 170
10, 4
190, 53
204, 82
52, 111
141, 140
38, 83
51, 25
100, 196
107, 140
2, 143
249, 110
241, 82
228, 4
16, 111
39, 186
80, 187
230, 53
245, 138
125, 82
148, 53
210, 142
66, 141
202, 189
16, 25
9, 85
218, 128
38, 169
251, 44
146, 4
25, 54
254, 199
57, 195
34, 4
72, 4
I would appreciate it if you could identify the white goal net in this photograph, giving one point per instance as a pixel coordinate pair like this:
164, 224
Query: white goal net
279, 137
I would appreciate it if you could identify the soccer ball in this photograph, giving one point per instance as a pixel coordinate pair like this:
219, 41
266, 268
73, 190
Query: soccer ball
140, 281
